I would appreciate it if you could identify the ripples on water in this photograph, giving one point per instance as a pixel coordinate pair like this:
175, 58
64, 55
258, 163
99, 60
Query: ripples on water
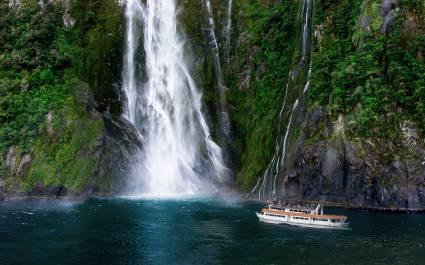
202, 231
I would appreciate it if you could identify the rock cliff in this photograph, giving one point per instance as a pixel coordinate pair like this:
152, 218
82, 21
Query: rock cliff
326, 99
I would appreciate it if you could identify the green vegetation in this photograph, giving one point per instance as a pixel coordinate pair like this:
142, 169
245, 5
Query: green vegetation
272, 30
377, 80
66, 158
45, 108
374, 80
99, 36
34, 56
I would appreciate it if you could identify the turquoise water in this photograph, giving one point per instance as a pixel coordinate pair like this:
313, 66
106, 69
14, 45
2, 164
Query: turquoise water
206, 231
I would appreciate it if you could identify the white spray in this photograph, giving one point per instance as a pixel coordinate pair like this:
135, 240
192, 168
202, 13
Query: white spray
179, 156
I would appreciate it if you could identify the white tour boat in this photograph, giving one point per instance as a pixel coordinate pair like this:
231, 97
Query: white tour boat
302, 216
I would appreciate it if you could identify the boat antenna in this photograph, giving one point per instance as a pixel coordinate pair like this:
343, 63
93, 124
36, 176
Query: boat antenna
317, 209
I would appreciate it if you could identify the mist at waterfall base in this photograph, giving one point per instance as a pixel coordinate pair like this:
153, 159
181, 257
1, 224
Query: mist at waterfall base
202, 231
179, 156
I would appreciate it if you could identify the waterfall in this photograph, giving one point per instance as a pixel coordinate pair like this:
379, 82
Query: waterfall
285, 141
134, 14
267, 189
224, 119
215, 48
307, 85
163, 103
43, 3
306, 28
228, 30
14, 3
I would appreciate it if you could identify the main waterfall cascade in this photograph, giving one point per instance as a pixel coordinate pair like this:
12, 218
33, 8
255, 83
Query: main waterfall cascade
266, 185
178, 156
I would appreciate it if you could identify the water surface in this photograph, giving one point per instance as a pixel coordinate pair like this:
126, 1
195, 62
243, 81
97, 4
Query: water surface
205, 231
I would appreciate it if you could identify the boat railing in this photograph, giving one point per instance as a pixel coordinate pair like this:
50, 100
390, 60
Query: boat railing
292, 207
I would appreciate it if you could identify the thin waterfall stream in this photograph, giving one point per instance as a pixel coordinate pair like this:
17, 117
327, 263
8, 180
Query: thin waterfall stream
179, 156
223, 115
228, 30
266, 185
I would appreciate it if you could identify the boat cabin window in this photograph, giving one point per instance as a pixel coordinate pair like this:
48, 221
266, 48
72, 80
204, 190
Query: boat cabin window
299, 218
274, 215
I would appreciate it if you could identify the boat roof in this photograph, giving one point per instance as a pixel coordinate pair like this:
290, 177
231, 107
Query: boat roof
301, 208
325, 216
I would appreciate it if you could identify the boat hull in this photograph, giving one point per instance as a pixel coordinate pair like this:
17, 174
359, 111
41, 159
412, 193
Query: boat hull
267, 219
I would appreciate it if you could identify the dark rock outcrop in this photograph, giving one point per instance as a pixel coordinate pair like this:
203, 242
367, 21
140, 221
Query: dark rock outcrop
111, 149
118, 151
353, 172
387, 15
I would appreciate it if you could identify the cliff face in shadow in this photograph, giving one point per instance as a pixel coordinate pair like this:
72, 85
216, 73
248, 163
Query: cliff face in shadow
60, 128
355, 134
360, 142
354, 172
331, 110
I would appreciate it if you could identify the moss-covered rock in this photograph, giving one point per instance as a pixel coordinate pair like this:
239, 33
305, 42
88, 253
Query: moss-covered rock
97, 59
367, 80
261, 60
64, 154
54, 57
354, 86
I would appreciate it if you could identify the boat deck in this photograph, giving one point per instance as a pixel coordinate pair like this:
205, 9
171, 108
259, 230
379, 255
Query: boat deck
325, 216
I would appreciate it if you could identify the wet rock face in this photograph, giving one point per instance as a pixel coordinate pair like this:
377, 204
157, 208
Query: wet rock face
24, 165
365, 23
111, 153
387, 15
14, 3
118, 152
330, 164
10, 161
115, 151
352, 172
366, 184
16, 164
55, 191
